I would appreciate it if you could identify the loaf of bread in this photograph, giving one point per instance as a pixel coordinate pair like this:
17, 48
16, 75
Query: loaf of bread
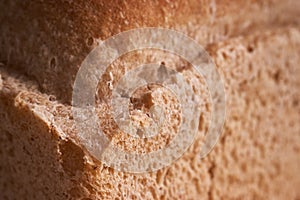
256, 48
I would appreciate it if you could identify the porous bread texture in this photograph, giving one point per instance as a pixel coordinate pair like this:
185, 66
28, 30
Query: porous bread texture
257, 156
131, 61
52, 38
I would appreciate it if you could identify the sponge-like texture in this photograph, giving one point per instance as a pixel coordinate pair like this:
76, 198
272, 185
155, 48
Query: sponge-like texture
257, 156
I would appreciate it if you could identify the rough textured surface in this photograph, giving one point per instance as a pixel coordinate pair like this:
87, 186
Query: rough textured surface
48, 40
256, 158
258, 154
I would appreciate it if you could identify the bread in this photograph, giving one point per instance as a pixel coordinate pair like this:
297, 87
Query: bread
257, 156
49, 40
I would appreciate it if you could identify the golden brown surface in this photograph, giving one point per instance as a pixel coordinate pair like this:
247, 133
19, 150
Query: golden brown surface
48, 40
